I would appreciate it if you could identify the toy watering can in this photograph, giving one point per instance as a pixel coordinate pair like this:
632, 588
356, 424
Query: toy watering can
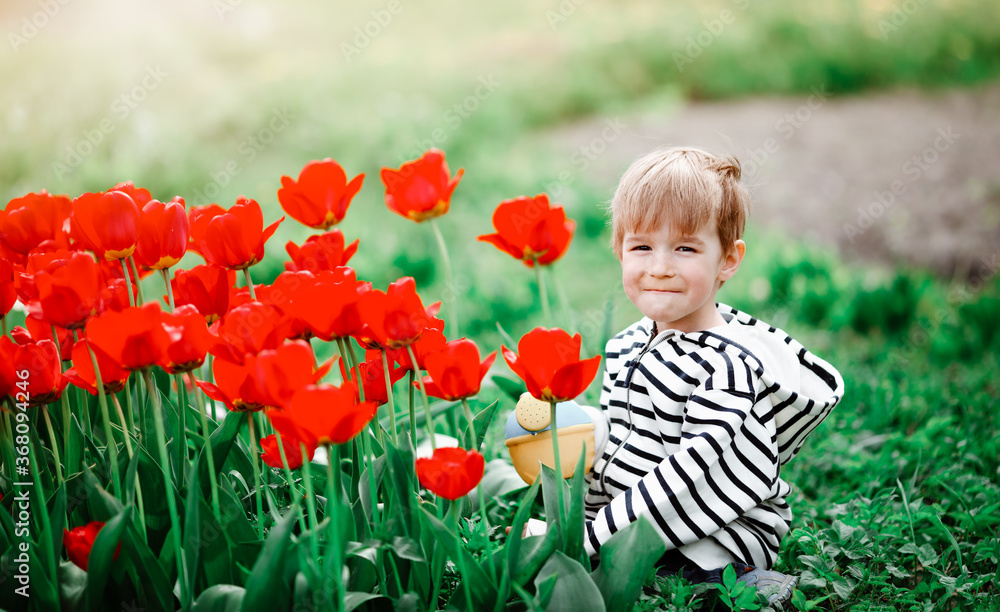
529, 436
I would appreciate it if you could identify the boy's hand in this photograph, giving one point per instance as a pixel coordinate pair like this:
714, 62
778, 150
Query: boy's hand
532, 528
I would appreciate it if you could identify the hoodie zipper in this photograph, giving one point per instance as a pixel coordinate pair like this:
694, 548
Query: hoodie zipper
628, 408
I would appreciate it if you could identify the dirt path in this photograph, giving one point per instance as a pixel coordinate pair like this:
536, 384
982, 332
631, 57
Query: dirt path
892, 177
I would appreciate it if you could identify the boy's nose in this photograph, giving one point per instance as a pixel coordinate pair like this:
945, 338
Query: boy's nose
662, 266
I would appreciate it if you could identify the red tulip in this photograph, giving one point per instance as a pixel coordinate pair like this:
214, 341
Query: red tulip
164, 231
249, 329
79, 540
28, 221
106, 223
531, 229
329, 304
396, 318
548, 362
134, 338
70, 293
282, 371
113, 376
431, 341
8, 377
451, 472
232, 239
37, 329
320, 252
189, 340
199, 217
235, 385
139, 195
8, 295
455, 372
206, 287
115, 295
293, 452
372, 377
36, 261
420, 189
324, 414
321, 196
44, 368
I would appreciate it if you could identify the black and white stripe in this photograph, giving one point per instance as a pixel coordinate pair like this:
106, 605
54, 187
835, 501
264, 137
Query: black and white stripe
699, 428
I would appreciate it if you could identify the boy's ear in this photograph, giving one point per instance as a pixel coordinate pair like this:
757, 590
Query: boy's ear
732, 259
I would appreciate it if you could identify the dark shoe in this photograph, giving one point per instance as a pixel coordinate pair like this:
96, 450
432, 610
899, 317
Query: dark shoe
774, 586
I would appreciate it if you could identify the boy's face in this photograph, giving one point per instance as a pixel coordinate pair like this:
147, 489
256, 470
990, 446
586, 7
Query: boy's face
673, 279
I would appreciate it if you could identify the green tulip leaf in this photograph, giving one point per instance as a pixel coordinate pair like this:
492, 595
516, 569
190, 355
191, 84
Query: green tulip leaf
626, 559
574, 591
101, 557
267, 589
220, 598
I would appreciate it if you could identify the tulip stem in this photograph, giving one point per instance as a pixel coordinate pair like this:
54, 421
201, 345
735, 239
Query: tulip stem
128, 283
170, 291
67, 426
106, 415
291, 479
558, 466
423, 392
182, 453
310, 500
567, 312
366, 448
472, 427
332, 509
543, 294
459, 558
255, 456
128, 449
55, 444
203, 413
168, 485
40, 495
449, 288
129, 414
246, 275
388, 394
413, 410
138, 285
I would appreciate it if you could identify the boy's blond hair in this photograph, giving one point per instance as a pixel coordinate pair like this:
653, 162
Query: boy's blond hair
684, 187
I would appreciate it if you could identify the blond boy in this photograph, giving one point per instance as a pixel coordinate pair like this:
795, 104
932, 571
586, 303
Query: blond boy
705, 403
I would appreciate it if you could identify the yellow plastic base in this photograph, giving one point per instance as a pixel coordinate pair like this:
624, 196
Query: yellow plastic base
528, 450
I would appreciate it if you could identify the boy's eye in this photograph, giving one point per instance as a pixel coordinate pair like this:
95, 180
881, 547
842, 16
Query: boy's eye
640, 247
686, 249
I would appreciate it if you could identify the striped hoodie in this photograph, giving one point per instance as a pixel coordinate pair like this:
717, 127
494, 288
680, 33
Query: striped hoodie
700, 425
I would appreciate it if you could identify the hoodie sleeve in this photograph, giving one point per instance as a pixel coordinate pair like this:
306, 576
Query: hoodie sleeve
726, 464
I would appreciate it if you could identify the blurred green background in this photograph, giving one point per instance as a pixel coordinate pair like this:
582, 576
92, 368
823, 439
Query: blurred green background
869, 133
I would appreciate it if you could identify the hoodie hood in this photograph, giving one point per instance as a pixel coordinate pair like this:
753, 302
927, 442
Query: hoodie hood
802, 387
